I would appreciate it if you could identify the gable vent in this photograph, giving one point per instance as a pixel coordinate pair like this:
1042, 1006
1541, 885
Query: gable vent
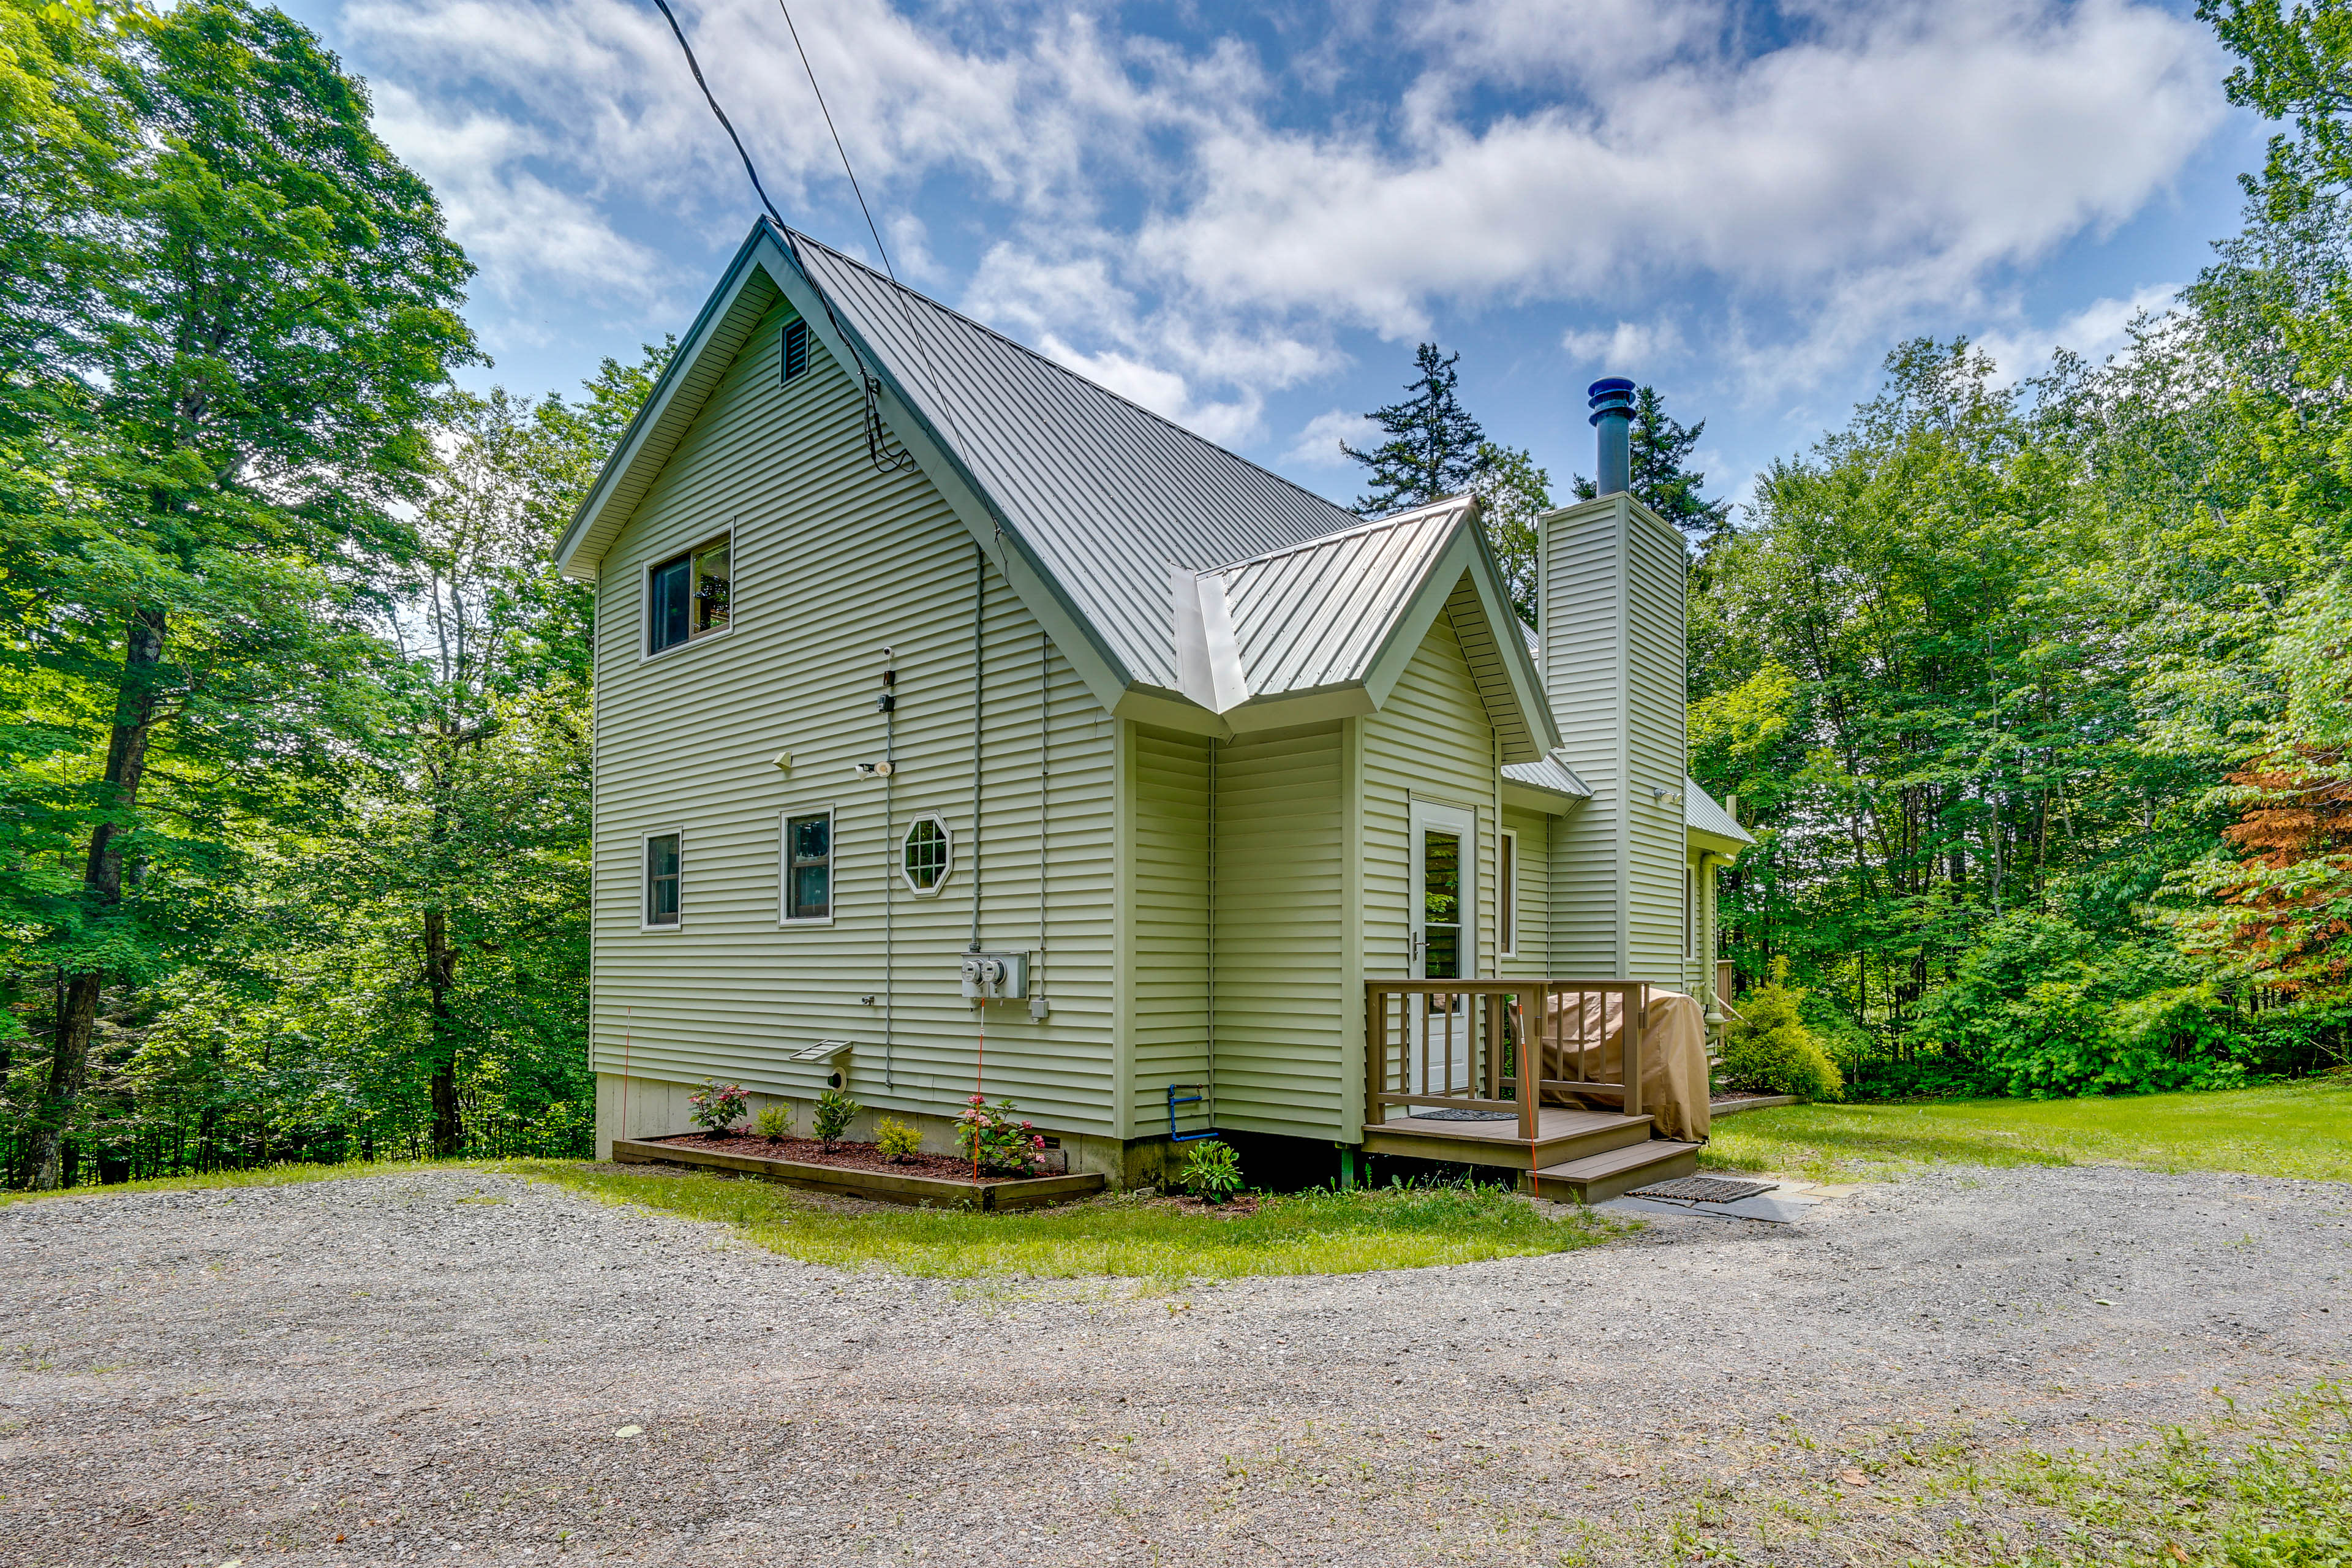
795, 348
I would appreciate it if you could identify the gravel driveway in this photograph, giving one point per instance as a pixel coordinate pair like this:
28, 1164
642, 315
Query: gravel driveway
434, 1367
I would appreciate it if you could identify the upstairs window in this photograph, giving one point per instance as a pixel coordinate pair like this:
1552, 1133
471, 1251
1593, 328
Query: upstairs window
797, 347
664, 876
687, 596
808, 865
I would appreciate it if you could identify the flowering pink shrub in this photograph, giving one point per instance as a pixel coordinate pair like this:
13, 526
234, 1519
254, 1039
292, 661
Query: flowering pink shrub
718, 1106
1003, 1144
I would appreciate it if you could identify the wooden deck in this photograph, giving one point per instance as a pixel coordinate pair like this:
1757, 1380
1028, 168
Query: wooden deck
1527, 1051
1561, 1135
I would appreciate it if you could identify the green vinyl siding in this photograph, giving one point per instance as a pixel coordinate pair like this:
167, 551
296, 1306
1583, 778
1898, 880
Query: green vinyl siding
1430, 740
1612, 663
831, 562
1656, 570
1169, 921
1285, 1029
1534, 956
1582, 659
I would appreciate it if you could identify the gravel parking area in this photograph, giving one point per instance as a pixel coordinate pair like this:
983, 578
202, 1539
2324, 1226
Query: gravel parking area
434, 1367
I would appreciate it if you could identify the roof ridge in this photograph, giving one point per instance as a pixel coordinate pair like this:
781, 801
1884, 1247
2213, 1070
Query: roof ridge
1394, 519
1059, 368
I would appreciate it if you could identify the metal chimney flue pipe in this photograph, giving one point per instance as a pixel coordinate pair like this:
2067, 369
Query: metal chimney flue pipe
1611, 400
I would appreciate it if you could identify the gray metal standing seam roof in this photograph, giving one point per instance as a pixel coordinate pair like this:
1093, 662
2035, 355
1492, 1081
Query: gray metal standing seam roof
1701, 813
1315, 614
1108, 496
1552, 775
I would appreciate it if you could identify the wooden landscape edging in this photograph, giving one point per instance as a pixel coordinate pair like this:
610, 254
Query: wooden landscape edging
1018, 1191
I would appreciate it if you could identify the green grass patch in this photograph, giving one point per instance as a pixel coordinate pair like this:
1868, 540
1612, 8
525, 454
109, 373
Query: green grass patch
2273, 1490
2266, 1489
2302, 1128
1117, 1236
260, 1176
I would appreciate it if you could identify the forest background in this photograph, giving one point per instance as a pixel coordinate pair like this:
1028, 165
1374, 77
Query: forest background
2036, 697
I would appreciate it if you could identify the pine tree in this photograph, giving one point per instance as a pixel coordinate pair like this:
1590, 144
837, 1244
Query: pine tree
1661, 446
1433, 444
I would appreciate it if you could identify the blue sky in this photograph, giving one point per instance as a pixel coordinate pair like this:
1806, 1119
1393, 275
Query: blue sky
1247, 216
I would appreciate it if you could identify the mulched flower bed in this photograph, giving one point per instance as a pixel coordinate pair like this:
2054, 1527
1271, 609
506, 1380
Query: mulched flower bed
846, 1155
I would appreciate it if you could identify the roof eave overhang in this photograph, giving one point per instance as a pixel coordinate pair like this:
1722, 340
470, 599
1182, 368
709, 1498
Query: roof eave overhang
1716, 843
1536, 797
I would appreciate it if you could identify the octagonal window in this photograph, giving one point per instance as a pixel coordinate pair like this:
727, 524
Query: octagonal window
926, 855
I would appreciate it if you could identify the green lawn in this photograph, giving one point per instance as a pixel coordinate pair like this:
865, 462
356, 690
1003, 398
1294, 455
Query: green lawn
2302, 1128
1308, 1233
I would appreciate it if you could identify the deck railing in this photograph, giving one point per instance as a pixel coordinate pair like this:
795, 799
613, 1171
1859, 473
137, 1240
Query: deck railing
1459, 1044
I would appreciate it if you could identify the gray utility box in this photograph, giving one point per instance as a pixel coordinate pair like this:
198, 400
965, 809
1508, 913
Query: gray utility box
993, 976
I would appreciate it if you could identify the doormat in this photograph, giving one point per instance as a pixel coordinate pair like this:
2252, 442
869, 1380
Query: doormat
1704, 1190
1451, 1115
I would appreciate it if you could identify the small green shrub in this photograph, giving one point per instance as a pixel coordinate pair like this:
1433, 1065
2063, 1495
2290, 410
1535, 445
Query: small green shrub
894, 1141
993, 1137
835, 1111
718, 1106
1212, 1172
775, 1123
1772, 1051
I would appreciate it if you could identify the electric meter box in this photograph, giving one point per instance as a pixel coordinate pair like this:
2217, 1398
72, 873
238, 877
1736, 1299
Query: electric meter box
993, 976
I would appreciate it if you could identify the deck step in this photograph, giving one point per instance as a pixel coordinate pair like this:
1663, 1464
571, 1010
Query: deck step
1567, 1135
1599, 1177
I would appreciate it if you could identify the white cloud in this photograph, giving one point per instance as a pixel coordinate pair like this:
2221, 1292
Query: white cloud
1630, 348
2095, 332
522, 232
1317, 446
1196, 227
1926, 149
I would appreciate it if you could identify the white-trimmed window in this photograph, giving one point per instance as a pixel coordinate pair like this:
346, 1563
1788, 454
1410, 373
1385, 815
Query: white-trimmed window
926, 855
664, 905
1506, 895
688, 596
805, 897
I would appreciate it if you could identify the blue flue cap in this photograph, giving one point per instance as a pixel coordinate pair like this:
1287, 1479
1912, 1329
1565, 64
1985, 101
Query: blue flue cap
1611, 394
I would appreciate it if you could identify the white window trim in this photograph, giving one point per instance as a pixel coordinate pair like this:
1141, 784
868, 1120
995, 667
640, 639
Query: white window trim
645, 881
784, 865
1506, 895
946, 876
647, 652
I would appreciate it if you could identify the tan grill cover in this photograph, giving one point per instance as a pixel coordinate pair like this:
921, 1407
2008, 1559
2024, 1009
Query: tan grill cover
1674, 1054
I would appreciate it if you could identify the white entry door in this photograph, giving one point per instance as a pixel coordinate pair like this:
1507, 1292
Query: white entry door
1443, 894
